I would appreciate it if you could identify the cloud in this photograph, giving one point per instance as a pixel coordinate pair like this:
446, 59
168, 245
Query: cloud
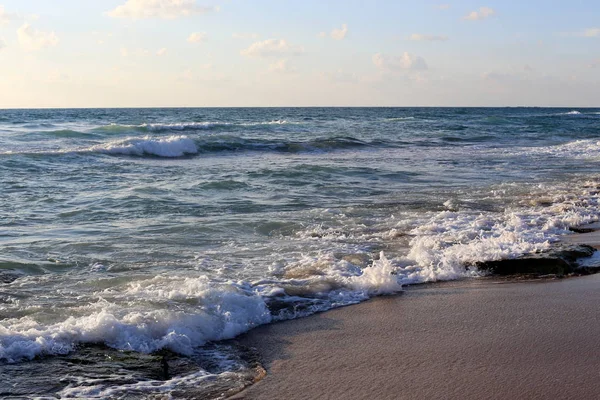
590, 32
161, 52
336, 34
281, 67
6, 17
31, 39
442, 6
428, 38
271, 47
404, 62
483, 13
586, 33
2, 44
594, 64
339, 34
165, 9
197, 37
245, 35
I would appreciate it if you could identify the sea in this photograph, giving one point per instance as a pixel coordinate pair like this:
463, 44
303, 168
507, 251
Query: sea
173, 230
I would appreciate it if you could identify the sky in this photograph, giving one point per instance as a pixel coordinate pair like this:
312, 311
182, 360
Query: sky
222, 53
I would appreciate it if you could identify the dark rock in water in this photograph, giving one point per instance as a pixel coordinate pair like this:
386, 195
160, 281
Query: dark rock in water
582, 230
561, 260
9, 276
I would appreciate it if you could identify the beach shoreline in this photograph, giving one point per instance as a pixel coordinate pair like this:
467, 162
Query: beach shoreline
480, 338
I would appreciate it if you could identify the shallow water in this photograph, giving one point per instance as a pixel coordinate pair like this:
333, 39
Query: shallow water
149, 229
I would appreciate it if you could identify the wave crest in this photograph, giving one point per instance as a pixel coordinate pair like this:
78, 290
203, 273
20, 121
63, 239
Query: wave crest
172, 146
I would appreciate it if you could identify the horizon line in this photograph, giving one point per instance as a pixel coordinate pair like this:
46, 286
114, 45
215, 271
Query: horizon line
263, 107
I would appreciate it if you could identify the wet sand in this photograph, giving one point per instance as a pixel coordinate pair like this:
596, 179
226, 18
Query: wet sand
477, 339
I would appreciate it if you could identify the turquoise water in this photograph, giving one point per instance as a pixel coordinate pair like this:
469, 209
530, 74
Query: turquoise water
146, 229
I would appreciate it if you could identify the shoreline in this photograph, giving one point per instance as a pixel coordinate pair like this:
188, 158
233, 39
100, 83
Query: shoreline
463, 339
430, 333
475, 338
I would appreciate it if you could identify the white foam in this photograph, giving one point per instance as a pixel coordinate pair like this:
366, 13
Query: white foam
149, 387
181, 126
399, 119
377, 279
172, 146
183, 312
437, 246
574, 112
581, 149
219, 311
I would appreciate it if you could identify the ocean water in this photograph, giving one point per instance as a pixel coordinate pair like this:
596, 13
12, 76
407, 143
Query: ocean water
150, 229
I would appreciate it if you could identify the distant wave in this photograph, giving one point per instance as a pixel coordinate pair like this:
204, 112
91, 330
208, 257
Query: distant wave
182, 126
69, 133
397, 119
172, 146
574, 112
578, 149
181, 145
233, 143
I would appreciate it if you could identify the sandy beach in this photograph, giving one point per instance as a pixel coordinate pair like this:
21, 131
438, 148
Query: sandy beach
470, 340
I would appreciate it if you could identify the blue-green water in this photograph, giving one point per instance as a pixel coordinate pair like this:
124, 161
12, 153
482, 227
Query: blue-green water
168, 228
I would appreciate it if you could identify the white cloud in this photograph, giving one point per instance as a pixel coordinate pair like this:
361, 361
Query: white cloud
124, 52
590, 32
197, 37
165, 9
429, 38
442, 6
31, 39
322, 34
6, 17
271, 47
404, 62
594, 63
245, 35
281, 66
339, 34
161, 52
587, 33
2, 44
483, 13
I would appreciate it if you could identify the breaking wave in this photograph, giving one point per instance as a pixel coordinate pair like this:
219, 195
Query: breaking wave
182, 145
200, 311
172, 146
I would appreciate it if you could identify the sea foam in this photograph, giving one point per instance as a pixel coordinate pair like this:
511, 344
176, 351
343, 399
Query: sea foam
220, 311
171, 146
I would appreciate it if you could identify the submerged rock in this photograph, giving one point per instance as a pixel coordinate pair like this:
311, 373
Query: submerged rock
9, 276
561, 260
